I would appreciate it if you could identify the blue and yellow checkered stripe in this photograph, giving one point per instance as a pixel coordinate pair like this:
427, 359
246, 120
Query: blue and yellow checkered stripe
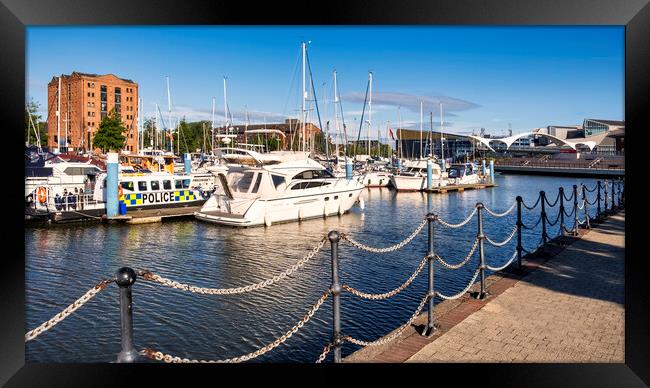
184, 195
133, 199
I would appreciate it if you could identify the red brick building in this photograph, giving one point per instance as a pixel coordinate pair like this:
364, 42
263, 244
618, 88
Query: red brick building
85, 100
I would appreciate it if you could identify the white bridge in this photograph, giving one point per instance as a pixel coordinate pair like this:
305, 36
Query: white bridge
511, 139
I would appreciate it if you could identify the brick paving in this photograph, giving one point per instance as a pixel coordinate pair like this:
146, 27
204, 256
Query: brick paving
570, 309
567, 306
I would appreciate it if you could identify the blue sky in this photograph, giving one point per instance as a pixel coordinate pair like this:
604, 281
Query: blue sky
487, 77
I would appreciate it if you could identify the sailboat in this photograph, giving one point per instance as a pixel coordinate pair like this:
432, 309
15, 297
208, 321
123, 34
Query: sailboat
375, 175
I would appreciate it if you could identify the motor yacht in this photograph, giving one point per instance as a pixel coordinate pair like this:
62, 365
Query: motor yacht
463, 174
272, 193
414, 176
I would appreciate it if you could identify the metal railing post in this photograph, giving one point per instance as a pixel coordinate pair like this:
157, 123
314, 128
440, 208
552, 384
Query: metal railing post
605, 195
431, 218
561, 211
542, 200
125, 277
481, 237
598, 199
334, 238
575, 210
519, 226
584, 204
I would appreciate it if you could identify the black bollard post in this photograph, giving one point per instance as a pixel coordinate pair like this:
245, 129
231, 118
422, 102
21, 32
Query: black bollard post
561, 211
430, 329
542, 199
575, 210
125, 277
334, 238
481, 237
519, 226
598, 199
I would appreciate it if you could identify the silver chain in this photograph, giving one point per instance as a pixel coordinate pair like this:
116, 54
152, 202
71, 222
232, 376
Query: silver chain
468, 219
504, 242
556, 220
395, 333
496, 269
390, 293
322, 356
462, 263
531, 207
147, 275
156, 355
30, 335
386, 249
464, 291
504, 213
554, 203
536, 223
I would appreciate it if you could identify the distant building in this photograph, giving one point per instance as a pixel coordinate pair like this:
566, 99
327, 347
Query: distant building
85, 100
291, 129
597, 126
408, 140
608, 135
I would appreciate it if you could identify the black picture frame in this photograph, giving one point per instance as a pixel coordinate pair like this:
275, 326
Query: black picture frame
15, 15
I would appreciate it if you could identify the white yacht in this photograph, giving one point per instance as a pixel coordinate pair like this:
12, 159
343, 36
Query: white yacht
463, 174
414, 178
49, 170
283, 192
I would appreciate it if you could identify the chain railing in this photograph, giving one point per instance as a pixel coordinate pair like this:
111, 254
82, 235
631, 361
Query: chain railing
66, 312
391, 248
126, 277
148, 275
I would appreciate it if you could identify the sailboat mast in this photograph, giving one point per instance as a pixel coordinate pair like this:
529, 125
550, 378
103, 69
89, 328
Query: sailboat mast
212, 127
442, 143
58, 118
169, 115
336, 116
304, 93
369, 110
421, 129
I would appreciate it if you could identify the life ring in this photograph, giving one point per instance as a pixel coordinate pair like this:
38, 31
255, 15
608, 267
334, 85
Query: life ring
42, 194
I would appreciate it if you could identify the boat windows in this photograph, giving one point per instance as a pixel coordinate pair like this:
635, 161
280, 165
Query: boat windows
257, 183
241, 181
167, 185
316, 184
155, 185
182, 184
314, 174
277, 180
128, 186
142, 185
299, 186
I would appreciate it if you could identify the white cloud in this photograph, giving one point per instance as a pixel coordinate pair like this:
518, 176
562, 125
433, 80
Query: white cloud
412, 101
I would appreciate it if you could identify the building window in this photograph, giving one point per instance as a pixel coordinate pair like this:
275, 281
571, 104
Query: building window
88, 84
92, 85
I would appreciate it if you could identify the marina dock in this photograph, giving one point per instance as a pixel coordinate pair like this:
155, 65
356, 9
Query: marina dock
448, 188
567, 306
153, 215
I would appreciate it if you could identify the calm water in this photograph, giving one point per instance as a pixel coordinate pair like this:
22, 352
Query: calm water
63, 262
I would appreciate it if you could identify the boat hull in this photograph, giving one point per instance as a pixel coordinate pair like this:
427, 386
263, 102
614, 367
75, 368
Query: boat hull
281, 210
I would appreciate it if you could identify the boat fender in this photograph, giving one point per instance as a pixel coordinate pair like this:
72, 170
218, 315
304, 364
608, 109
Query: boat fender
267, 220
300, 214
42, 194
362, 204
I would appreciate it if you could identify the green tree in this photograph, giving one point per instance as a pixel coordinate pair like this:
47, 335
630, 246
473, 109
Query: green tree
110, 135
30, 137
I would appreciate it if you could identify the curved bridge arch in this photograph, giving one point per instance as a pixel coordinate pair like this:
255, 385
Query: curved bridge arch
508, 141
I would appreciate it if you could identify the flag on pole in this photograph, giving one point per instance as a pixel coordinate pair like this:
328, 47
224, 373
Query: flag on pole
390, 133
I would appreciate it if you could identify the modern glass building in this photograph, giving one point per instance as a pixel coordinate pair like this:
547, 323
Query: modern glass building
597, 126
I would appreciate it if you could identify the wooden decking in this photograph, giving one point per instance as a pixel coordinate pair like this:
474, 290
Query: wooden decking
154, 215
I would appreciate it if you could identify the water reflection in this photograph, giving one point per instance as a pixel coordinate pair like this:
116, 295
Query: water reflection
64, 261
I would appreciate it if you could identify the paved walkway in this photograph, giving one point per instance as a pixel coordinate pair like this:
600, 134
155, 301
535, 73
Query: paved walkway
571, 309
